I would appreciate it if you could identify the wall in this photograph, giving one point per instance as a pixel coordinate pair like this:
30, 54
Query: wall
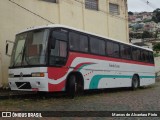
14, 19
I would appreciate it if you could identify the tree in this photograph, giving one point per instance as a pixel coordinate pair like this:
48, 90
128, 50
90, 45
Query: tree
156, 16
156, 47
147, 34
156, 34
130, 13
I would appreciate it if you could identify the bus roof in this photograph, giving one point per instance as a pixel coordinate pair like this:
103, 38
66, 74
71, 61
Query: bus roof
72, 28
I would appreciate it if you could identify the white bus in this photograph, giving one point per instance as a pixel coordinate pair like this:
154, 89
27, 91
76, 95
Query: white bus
59, 58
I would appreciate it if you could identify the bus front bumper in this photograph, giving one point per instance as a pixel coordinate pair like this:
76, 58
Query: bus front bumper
29, 84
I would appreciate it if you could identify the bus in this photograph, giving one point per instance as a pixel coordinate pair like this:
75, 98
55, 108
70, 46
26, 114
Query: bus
56, 58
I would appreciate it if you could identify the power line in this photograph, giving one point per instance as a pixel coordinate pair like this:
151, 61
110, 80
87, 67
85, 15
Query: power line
31, 11
69, 2
147, 2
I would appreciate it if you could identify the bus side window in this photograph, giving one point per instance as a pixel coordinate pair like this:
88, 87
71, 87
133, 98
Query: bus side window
58, 52
112, 49
151, 58
97, 46
125, 51
144, 56
63, 49
136, 54
78, 42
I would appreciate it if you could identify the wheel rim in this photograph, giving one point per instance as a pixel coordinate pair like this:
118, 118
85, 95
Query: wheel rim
75, 87
135, 82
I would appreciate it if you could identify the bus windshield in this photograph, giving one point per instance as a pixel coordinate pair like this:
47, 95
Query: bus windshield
30, 48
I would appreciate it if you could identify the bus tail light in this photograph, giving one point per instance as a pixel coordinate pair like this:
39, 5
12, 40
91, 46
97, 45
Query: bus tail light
38, 75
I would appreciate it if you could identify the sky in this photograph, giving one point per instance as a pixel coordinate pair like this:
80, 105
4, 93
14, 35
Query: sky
143, 5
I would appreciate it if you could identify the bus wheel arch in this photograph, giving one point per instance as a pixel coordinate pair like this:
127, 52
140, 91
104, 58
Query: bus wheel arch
74, 84
135, 82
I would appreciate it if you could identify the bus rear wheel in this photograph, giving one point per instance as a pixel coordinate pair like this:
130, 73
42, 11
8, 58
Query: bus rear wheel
71, 86
135, 82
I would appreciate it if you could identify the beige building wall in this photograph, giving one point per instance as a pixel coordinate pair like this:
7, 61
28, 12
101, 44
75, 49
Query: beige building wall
14, 19
16, 15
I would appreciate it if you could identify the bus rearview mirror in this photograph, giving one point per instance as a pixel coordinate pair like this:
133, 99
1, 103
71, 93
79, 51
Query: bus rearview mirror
8, 48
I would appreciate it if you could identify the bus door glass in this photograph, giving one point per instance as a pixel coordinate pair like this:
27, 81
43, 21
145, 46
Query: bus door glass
58, 47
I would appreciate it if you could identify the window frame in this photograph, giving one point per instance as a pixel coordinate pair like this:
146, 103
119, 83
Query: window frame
89, 5
111, 12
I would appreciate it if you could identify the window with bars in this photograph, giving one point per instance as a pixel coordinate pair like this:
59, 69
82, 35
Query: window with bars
114, 9
91, 4
52, 1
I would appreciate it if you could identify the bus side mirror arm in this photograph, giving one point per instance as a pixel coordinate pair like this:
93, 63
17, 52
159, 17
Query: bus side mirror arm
7, 46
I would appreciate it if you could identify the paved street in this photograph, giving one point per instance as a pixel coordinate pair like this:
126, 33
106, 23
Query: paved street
143, 99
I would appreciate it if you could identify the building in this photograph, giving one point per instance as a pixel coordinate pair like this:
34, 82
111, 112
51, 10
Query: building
105, 17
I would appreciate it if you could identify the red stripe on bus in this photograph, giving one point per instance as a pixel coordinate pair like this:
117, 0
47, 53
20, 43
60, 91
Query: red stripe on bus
56, 87
74, 55
56, 73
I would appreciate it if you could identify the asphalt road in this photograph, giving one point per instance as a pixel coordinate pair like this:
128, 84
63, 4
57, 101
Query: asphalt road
143, 99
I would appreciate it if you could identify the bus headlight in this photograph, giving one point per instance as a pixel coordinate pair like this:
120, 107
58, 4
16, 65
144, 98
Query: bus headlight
37, 74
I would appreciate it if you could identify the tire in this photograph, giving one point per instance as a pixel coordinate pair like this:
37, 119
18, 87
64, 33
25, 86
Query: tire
71, 86
135, 82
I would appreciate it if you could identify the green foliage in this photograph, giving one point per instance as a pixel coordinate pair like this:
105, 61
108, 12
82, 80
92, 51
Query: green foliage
130, 13
156, 34
147, 34
156, 55
135, 35
156, 47
156, 17
146, 20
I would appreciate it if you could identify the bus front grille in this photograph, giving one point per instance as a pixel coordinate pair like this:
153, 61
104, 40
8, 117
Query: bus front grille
23, 85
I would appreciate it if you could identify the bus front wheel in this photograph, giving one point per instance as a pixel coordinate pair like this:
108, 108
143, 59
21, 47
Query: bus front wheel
135, 82
71, 86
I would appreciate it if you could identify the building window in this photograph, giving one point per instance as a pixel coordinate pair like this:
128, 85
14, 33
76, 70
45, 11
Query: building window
114, 9
91, 4
52, 1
